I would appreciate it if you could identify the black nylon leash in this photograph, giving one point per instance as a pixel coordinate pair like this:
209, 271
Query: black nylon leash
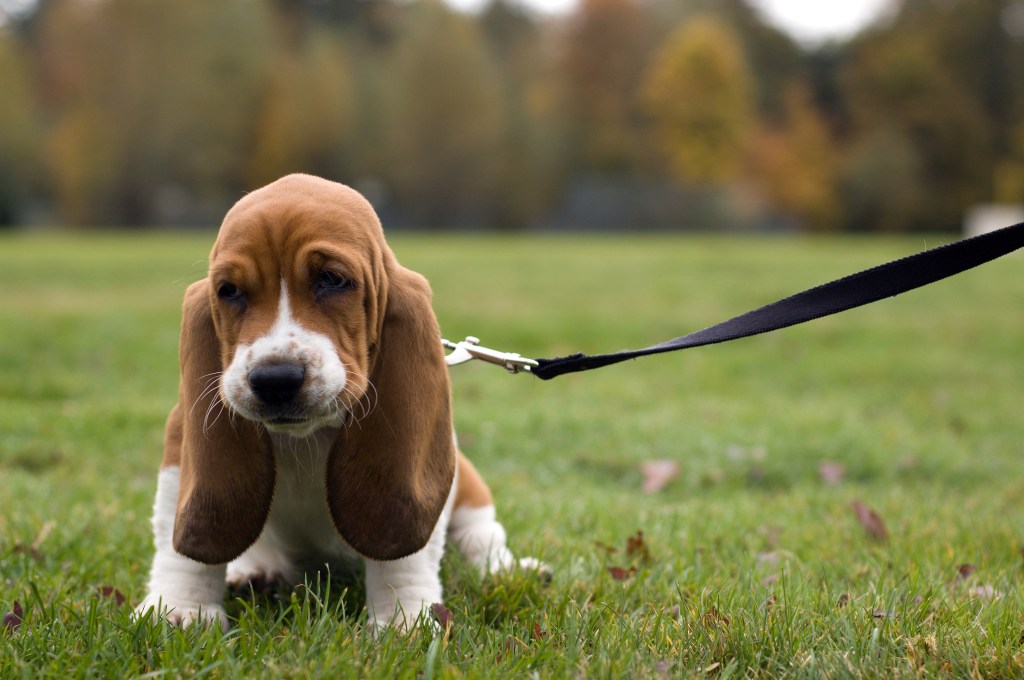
855, 290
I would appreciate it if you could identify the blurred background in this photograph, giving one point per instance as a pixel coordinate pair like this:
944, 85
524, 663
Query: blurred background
668, 115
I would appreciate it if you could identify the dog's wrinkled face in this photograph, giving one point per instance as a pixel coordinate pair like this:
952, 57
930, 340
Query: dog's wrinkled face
296, 279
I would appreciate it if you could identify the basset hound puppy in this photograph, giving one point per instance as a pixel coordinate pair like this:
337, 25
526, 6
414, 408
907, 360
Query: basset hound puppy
313, 423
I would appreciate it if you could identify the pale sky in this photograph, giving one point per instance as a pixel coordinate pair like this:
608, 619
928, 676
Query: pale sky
808, 21
812, 21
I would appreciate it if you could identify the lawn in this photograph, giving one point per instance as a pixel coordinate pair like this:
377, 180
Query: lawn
749, 561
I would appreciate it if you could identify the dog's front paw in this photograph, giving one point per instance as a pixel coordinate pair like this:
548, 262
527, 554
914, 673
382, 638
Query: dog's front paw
180, 614
541, 569
404, 621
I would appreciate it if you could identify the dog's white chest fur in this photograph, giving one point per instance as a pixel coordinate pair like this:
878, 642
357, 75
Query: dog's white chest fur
299, 535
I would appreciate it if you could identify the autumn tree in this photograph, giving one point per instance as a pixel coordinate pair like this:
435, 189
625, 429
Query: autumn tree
604, 48
897, 89
531, 150
795, 162
305, 120
19, 131
147, 97
697, 91
447, 122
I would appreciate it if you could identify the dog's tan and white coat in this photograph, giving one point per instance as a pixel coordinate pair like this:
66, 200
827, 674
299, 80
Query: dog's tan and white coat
313, 423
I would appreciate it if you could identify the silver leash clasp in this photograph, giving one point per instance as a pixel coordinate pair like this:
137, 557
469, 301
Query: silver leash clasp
470, 349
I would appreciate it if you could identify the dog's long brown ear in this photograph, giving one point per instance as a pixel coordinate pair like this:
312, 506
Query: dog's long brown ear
390, 473
227, 468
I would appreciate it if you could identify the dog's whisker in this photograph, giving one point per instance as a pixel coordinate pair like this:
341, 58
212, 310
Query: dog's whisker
216, 403
211, 387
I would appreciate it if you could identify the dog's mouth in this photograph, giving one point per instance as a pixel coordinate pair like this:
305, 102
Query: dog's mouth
286, 420
296, 425
291, 425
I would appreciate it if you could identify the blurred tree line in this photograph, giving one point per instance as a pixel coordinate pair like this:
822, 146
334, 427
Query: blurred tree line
682, 114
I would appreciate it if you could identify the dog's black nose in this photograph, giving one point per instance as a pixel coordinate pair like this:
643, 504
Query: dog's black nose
277, 383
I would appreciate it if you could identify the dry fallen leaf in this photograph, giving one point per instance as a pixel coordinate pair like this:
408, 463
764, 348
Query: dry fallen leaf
844, 600
442, 615
658, 473
831, 473
870, 521
963, 572
12, 619
111, 593
25, 549
713, 617
637, 547
621, 574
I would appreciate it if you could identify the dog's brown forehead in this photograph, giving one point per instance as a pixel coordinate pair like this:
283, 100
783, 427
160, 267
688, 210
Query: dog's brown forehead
277, 221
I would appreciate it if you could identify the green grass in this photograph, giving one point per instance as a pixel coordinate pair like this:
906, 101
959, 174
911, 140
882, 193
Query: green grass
756, 566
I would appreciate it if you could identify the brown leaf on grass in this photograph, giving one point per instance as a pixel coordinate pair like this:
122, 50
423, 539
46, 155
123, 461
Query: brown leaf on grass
870, 521
620, 573
24, 549
658, 473
111, 593
637, 548
442, 615
713, 617
831, 473
844, 600
12, 619
963, 572
512, 646
538, 632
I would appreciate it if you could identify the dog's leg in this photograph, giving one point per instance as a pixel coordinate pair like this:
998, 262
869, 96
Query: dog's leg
475, 529
399, 592
181, 590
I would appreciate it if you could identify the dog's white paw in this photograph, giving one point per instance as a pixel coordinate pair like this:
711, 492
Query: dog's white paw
541, 569
183, 615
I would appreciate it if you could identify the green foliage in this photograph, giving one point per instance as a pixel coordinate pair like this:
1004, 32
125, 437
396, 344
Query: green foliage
751, 563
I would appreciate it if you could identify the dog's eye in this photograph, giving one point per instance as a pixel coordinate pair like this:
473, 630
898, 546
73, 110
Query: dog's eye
230, 293
328, 282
